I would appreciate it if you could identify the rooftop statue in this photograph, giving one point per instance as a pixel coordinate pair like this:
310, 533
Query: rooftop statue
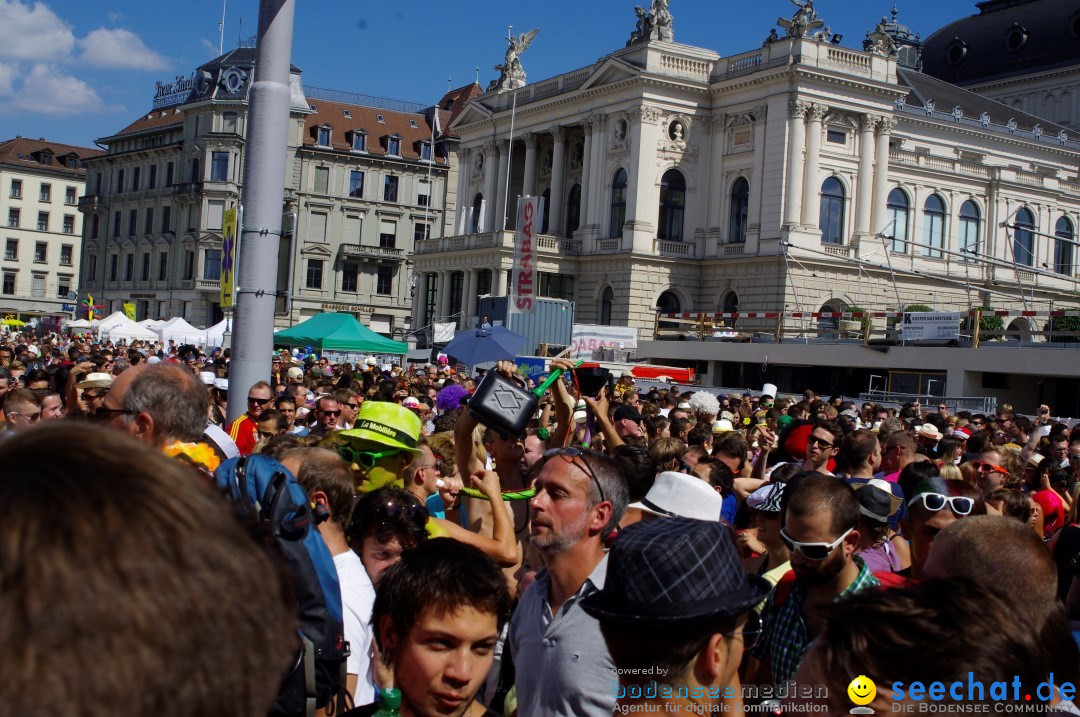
656, 23
804, 22
511, 73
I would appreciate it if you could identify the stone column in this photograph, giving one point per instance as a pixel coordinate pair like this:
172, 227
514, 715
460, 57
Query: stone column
499, 279
863, 197
491, 184
442, 300
813, 155
881, 175
529, 186
558, 162
418, 302
464, 203
587, 190
500, 186
793, 198
595, 210
469, 300
642, 201
757, 182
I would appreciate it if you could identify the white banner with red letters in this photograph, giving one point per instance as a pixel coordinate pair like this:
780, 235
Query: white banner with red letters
523, 279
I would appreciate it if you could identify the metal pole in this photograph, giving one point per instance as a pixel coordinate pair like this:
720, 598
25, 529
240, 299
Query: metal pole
263, 192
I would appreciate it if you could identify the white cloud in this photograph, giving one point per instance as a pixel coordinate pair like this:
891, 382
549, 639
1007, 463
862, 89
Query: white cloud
119, 49
8, 72
48, 91
33, 32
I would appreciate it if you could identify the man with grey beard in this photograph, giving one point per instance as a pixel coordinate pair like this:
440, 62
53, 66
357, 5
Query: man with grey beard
563, 666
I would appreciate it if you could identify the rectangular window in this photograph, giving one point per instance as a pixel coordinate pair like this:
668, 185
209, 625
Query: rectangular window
189, 265
13, 218
359, 141
836, 136
387, 234
390, 186
393, 146
349, 272
37, 286
114, 263
135, 179
321, 184
215, 215
41, 252
116, 224
66, 253
228, 122
212, 264
423, 193
324, 137
45, 194
317, 230
425, 151
314, 274
556, 286
148, 221
16, 188
151, 179
483, 282
169, 174
129, 267
9, 283
63, 287
133, 222
353, 227
95, 226
385, 281
420, 232
146, 266
119, 181
219, 166
356, 184
162, 309
69, 224
91, 268
97, 183
11, 250
166, 220
43, 221
71, 196
163, 266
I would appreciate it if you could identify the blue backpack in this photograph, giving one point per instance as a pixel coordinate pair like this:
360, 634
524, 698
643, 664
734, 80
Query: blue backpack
266, 491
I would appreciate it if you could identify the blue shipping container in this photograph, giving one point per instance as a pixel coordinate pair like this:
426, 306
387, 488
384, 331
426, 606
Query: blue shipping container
551, 322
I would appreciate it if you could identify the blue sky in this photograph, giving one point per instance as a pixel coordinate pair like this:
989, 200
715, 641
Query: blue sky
73, 70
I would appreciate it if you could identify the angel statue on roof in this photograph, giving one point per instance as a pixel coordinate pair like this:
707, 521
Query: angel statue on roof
511, 73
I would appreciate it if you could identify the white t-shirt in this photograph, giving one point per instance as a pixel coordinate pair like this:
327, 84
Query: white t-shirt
357, 601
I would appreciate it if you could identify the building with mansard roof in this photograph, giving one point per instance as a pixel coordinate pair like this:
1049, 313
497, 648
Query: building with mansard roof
366, 177
795, 174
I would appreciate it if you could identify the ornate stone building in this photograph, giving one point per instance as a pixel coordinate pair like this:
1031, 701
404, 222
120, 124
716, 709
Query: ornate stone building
366, 177
799, 174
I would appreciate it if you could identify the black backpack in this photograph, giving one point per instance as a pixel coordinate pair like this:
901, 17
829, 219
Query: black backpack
265, 490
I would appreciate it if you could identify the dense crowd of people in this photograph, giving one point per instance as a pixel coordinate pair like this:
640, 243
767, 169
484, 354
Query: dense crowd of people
634, 550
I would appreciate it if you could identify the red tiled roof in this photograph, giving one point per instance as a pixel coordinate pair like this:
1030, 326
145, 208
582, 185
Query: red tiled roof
454, 102
26, 152
154, 120
332, 114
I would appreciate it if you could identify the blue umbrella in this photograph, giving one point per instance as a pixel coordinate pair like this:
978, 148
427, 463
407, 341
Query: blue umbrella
484, 345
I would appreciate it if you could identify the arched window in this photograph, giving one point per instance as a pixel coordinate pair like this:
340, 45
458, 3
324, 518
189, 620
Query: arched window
668, 303
827, 325
831, 217
896, 212
618, 204
933, 227
477, 214
1063, 247
740, 203
573, 210
969, 231
1024, 238
672, 206
547, 210
606, 301
729, 304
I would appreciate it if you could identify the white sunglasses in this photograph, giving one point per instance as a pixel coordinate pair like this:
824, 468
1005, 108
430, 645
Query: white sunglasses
814, 551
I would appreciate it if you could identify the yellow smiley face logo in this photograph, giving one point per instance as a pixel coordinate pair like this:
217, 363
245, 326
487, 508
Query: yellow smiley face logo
862, 690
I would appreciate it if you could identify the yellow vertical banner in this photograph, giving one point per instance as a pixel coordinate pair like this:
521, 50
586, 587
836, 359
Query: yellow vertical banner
228, 259
129, 309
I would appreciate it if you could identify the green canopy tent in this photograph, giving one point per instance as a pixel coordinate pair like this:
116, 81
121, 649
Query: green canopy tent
338, 332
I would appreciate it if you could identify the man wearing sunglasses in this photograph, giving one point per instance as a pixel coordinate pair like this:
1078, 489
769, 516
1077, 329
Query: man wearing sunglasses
822, 446
821, 518
933, 504
244, 431
327, 416
22, 410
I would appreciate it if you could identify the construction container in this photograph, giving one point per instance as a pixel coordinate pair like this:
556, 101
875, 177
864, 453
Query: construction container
551, 322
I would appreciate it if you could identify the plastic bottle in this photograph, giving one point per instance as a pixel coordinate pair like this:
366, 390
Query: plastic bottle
389, 702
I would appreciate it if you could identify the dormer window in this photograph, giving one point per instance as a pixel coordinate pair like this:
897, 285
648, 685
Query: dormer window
323, 137
412, 123
380, 118
425, 151
347, 113
393, 145
359, 141
46, 158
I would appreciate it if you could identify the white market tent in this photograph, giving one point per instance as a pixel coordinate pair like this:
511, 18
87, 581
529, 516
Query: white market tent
180, 331
215, 335
114, 319
78, 324
128, 330
151, 323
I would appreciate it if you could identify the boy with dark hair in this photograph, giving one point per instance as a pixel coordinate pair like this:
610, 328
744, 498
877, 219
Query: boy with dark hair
438, 613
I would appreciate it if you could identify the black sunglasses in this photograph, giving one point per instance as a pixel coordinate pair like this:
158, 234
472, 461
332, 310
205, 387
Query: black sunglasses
569, 454
259, 401
104, 414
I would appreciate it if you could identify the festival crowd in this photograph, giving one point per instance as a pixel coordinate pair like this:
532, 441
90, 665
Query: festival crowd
662, 550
